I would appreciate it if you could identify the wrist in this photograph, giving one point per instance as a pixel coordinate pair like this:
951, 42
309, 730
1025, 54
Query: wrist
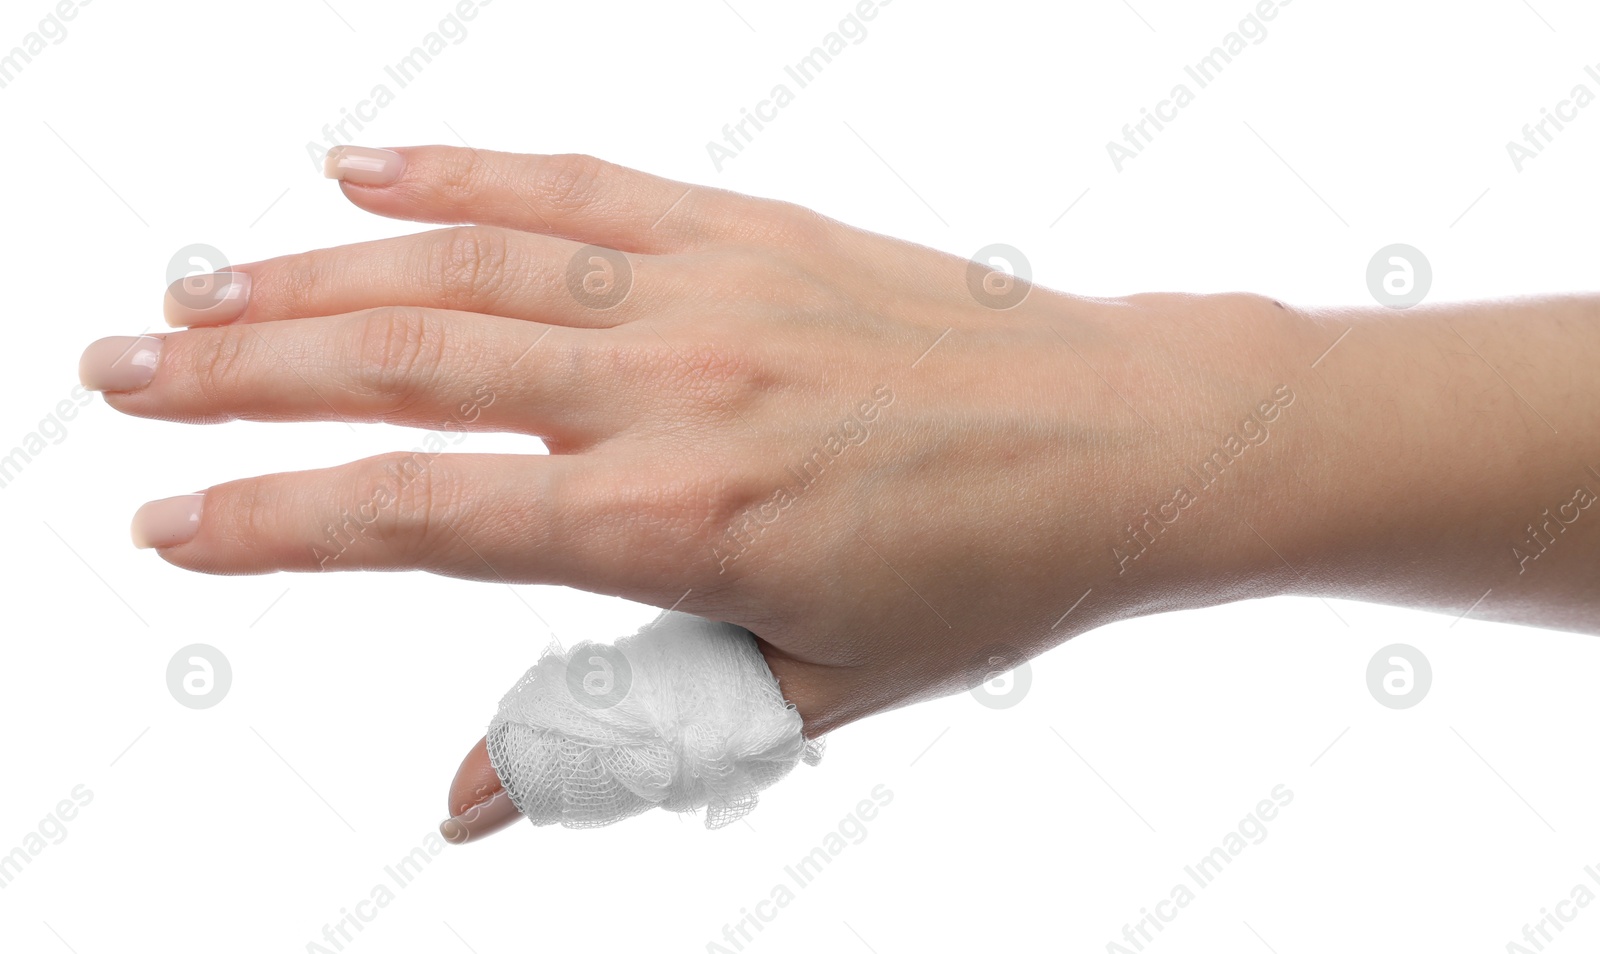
1213, 505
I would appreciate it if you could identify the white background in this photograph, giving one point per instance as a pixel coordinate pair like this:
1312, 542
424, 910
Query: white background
251, 825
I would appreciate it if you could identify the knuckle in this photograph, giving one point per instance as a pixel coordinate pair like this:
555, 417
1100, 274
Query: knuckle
398, 354
570, 182
697, 380
714, 367
408, 505
722, 378
720, 514
255, 512
606, 360
300, 283
468, 265
458, 177
220, 363
789, 223
770, 278
669, 515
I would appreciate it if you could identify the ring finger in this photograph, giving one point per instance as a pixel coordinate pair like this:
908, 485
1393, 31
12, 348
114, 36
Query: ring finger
411, 366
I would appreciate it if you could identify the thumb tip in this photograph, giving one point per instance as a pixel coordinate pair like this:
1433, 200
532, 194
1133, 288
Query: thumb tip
478, 804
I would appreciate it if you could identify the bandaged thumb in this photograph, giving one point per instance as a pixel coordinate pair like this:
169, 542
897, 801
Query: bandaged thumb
684, 715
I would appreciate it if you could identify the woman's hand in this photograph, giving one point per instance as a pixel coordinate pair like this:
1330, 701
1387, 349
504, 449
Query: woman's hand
901, 470
754, 414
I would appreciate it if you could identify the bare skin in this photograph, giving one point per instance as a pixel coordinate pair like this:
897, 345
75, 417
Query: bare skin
1008, 477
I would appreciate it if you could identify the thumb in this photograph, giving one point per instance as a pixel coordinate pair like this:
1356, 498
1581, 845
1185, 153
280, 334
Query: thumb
747, 734
479, 805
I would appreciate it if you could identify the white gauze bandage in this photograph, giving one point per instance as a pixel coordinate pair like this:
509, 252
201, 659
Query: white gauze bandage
683, 715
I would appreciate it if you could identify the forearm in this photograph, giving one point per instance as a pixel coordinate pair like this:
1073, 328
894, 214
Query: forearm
1455, 453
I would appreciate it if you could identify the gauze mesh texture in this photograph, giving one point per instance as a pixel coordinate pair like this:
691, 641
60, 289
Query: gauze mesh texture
683, 715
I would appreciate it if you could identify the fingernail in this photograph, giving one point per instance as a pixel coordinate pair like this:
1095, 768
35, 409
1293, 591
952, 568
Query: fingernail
167, 522
481, 819
207, 299
359, 165
119, 364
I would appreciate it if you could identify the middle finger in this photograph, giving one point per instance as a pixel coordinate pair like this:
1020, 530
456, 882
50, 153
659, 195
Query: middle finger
469, 268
